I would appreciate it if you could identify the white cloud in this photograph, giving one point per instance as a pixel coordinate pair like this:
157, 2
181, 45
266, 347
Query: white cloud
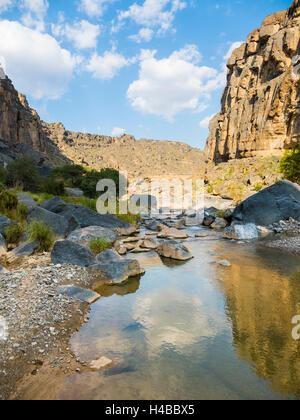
34, 14
5, 5
108, 65
144, 35
83, 34
205, 122
117, 132
169, 86
42, 71
94, 8
158, 14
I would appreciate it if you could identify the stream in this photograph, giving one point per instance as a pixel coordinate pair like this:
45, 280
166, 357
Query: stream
196, 330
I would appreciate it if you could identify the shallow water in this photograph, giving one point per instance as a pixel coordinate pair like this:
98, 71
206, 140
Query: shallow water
196, 330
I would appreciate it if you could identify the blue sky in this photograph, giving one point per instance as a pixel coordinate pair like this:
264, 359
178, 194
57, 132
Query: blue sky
151, 68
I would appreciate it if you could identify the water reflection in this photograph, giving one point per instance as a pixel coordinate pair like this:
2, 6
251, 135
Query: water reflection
107, 290
196, 330
261, 300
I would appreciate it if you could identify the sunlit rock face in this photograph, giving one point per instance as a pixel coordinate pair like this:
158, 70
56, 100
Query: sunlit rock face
261, 308
260, 113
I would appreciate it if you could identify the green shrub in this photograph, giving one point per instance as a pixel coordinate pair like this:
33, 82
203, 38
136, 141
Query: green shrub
8, 200
23, 173
53, 186
72, 175
99, 245
14, 232
82, 201
290, 165
129, 218
39, 231
3, 174
221, 214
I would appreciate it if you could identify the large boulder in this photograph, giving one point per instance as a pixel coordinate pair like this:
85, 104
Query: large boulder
88, 217
219, 224
85, 235
278, 202
172, 233
55, 205
67, 252
241, 232
114, 269
59, 224
4, 223
174, 250
108, 257
27, 201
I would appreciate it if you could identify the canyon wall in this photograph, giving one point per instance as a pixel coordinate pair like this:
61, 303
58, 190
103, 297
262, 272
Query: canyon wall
260, 108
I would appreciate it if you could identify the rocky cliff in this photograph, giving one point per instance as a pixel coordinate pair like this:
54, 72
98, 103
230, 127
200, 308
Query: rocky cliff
21, 128
260, 109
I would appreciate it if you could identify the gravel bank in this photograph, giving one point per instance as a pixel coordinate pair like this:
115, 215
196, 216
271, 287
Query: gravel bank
37, 322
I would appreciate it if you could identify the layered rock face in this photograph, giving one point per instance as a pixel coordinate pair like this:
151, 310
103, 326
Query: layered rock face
21, 125
260, 114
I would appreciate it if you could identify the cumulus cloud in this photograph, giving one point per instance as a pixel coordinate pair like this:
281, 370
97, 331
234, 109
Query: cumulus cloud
34, 13
158, 14
94, 8
144, 35
5, 5
117, 132
83, 34
108, 65
42, 71
169, 86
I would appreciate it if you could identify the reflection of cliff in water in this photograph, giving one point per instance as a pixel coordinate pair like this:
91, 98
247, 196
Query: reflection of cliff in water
261, 303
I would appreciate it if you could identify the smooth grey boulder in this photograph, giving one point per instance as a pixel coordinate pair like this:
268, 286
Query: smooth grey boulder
85, 235
4, 223
55, 205
241, 232
117, 271
27, 201
59, 224
74, 292
74, 192
24, 250
109, 256
278, 202
67, 252
88, 217
174, 250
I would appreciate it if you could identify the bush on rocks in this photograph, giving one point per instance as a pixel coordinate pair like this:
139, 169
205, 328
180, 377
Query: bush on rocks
99, 245
290, 165
39, 231
14, 232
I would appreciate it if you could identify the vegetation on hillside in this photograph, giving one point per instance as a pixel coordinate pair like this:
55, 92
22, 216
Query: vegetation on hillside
290, 165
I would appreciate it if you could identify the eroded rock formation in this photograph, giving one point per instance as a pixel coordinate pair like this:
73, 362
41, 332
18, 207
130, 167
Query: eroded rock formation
20, 125
260, 112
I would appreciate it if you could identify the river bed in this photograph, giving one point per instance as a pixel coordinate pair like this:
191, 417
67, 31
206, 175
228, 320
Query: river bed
196, 330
